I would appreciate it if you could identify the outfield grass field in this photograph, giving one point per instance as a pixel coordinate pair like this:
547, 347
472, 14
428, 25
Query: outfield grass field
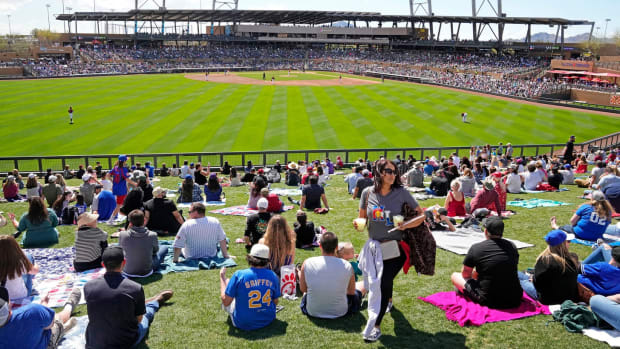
194, 318
170, 113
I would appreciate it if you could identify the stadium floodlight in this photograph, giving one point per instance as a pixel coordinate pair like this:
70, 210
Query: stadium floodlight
49, 25
9, 17
607, 20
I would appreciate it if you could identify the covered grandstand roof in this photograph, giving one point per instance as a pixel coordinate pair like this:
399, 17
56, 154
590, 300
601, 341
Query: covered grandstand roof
297, 17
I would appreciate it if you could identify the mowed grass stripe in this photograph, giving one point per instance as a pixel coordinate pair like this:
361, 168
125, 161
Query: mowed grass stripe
324, 135
346, 132
300, 134
276, 129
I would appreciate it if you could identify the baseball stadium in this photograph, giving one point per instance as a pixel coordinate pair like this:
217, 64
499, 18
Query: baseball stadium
259, 178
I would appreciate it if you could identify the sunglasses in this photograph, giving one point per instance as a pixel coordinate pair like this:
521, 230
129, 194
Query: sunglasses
388, 171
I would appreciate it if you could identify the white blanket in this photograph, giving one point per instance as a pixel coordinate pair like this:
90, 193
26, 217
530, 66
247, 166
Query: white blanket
75, 337
461, 240
611, 337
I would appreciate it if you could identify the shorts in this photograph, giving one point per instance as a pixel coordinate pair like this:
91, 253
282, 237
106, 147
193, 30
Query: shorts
58, 331
472, 290
120, 199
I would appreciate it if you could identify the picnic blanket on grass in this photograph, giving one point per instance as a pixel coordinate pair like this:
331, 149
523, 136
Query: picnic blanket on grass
611, 337
462, 239
75, 338
241, 210
52, 261
606, 239
523, 191
206, 203
533, 203
192, 264
285, 192
460, 309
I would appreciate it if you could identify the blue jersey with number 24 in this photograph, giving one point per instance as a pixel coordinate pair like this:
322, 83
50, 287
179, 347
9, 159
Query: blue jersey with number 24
254, 291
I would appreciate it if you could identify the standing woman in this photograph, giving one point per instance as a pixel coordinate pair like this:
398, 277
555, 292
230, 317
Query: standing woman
379, 204
120, 178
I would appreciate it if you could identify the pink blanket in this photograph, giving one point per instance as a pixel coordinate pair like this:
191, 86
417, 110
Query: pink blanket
462, 310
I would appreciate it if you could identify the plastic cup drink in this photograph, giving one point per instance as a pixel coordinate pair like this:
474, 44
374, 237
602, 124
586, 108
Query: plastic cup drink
398, 219
359, 223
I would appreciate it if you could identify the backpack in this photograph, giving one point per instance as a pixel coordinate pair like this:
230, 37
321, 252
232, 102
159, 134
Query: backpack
70, 215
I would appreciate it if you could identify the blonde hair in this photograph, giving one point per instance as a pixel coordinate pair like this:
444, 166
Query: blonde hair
60, 180
344, 246
561, 255
280, 239
603, 208
455, 183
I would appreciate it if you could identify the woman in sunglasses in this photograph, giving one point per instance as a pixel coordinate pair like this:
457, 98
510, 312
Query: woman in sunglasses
380, 204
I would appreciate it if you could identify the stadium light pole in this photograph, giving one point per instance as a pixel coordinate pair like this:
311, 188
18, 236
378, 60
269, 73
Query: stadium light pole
64, 25
607, 20
10, 34
49, 26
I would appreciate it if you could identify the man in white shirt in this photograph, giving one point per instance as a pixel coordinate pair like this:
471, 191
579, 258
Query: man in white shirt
456, 160
532, 178
568, 175
185, 170
351, 179
328, 283
198, 236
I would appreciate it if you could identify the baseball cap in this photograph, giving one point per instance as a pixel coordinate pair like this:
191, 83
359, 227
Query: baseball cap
113, 255
122, 158
4, 306
86, 177
158, 190
262, 203
598, 195
260, 251
261, 171
494, 224
52, 178
32, 175
87, 218
497, 174
365, 172
419, 164
10, 177
556, 237
567, 166
188, 176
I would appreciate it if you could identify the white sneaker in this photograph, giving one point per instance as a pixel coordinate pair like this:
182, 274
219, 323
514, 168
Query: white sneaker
389, 307
374, 335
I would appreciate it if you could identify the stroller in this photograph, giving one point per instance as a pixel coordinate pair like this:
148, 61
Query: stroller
273, 176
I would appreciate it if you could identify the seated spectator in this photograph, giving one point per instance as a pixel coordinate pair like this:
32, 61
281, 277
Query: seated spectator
568, 177
439, 220
249, 167
175, 171
608, 308
87, 189
489, 276
468, 183
513, 180
275, 204
164, 171
590, 220
10, 189
104, 203
213, 189
455, 201
90, 242
480, 173
362, 183
80, 205
117, 314
555, 178
612, 194
147, 188
189, 191
200, 175
415, 176
352, 178
532, 178
38, 225
339, 164
439, 184
328, 283
486, 197
323, 177
248, 177
52, 191
142, 251
35, 325
33, 187
305, 231
346, 251
256, 224
293, 176
18, 268
67, 173
235, 180
600, 272
555, 272
226, 168
106, 182
61, 206
161, 214
280, 239
500, 188
150, 170
428, 168
18, 179
199, 236
312, 194
597, 172
610, 176
255, 188
250, 296
133, 201
184, 171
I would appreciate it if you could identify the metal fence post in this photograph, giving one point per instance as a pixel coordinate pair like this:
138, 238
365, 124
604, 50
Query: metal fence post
40, 164
155, 161
178, 161
63, 163
346, 157
422, 155
264, 159
221, 160
243, 160
15, 164
536, 150
286, 158
86, 161
109, 163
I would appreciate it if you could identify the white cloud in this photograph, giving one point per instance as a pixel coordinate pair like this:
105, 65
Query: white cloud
12, 5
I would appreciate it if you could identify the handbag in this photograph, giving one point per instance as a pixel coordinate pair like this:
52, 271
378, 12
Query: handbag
389, 250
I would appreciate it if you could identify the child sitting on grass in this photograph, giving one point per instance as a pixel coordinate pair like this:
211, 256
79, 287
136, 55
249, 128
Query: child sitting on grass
346, 251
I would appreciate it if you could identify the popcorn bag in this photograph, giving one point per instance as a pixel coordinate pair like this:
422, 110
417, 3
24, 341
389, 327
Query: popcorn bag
287, 280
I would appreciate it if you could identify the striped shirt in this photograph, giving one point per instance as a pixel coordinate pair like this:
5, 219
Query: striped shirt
88, 244
199, 238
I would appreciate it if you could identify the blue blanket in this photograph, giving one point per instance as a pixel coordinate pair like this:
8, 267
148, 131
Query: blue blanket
592, 243
193, 264
54, 261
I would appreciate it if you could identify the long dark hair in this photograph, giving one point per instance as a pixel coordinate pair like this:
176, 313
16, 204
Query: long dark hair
259, 183
37, 212
213, 184
187, 190
133, 201
13, 261
233, 172
58, 204
379, 167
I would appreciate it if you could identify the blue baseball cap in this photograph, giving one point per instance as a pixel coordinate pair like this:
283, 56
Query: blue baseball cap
567, 166
188, 177
556, 237
122, 158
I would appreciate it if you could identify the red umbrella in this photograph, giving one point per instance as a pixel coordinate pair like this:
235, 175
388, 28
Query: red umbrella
573, 77
597, 80
585, 78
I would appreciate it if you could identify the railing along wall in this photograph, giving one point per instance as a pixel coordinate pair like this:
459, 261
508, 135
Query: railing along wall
605, 142
39, 164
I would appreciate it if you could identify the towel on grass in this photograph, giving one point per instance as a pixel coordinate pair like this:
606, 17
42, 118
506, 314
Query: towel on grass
533, 203
611, 242
462, 310
285, 192
206, 203
420, 197
523, 191
416, 189
241, 210
611, 337
192, 264
462, 239
75, 338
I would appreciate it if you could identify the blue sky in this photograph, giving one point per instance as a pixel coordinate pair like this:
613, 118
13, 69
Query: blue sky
29, 14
